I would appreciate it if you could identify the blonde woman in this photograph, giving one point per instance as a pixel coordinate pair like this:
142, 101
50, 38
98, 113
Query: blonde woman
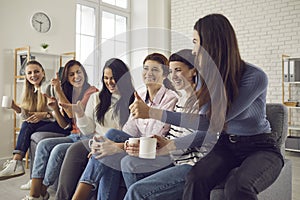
36, 115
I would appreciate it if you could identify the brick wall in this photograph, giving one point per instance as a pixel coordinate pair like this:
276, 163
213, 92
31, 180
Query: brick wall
265, 29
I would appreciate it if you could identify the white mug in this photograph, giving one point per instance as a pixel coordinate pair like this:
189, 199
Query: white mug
91, 141
6, 102
147, 147
132, 141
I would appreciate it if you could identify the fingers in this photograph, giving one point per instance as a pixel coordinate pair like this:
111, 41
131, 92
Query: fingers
46, 95
137, 97
57, 75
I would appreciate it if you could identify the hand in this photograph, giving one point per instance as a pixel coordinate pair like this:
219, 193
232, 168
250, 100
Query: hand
76, 108
52, 102
139, 109
105, 148
132, 149
55, 82
164, 145
35, 117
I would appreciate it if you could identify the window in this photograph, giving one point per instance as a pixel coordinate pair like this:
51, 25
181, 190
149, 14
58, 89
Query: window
101, 33
118, 3
86, 39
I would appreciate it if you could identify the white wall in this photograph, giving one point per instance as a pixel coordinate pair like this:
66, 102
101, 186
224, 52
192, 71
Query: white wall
265, 29
15, 32
150, 32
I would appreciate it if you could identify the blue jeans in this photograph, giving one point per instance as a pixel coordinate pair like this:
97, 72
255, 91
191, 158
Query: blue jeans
105, 172
258, 160
27, 129
50, 154
167, 184
135, 168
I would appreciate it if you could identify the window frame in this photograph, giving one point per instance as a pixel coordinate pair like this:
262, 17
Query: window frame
100, 7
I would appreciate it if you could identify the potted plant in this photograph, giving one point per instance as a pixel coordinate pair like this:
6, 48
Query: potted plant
44, 46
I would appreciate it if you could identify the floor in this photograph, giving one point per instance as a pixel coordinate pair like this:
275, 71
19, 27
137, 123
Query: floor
9, 189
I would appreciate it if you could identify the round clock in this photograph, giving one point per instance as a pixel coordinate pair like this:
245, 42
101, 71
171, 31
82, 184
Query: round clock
40, 22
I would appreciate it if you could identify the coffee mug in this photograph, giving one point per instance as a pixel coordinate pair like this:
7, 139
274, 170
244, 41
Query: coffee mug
91, 141
132, 141
147, 147
6, 102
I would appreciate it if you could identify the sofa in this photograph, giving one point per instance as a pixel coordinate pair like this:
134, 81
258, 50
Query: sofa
281, 189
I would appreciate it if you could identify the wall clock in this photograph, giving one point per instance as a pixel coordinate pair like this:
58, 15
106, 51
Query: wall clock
40, 22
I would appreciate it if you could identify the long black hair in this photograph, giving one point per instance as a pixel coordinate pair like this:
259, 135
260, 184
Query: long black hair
67, 87
123, 81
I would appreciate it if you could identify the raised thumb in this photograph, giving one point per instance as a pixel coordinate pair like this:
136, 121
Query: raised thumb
137, 97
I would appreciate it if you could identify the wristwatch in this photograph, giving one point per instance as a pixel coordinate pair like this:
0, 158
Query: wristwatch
48, 116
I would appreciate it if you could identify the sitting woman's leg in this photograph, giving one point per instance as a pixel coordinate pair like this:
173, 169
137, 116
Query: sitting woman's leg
43, 152
93, 173
135, 168
73, 166
165, 184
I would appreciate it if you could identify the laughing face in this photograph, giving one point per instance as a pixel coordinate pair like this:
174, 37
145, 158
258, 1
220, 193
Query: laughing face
109, 81
181, 75
34, 74
76, 76
152, 73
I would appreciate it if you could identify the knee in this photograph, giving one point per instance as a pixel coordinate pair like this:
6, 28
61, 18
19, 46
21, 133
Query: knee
115, 135
133, 192
127, 164
235, 186
42, 145
195, 175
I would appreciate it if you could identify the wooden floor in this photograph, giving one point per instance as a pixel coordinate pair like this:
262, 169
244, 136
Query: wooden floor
9, 189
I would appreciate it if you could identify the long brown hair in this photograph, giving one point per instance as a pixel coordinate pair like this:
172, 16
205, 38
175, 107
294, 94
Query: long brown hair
220, 66
218, 46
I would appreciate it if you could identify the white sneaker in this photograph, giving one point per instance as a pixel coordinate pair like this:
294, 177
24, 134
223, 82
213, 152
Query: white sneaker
32, 198
26, 186
13, 168
46, 197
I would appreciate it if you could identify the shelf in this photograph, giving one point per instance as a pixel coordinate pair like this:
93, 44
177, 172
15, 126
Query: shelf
298, 82
293, 150
294, 128
293, 107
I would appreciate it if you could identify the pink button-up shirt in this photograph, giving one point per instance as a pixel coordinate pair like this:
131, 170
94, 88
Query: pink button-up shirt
164, 99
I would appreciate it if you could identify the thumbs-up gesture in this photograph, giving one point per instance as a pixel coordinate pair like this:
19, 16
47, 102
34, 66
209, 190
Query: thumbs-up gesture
55, 82
139, 109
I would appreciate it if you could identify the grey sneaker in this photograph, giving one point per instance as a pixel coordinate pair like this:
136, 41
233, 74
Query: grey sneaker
13, 168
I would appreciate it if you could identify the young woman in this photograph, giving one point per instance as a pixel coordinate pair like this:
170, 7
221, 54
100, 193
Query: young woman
185, 79
106, 109
245, 137
104, 170
36, 115
50, 152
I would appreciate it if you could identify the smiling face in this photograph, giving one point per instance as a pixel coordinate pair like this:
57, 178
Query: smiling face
152, 73
34, 74
181, 75
109, 81
76, 76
